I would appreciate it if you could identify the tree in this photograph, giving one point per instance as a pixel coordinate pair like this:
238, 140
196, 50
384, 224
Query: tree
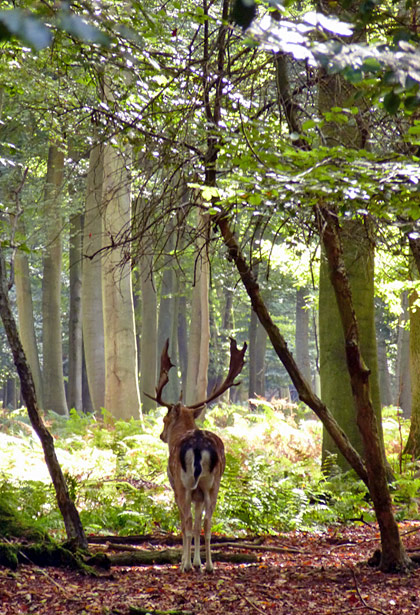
54, 392
75, 316
92, 311
122, 395
74, 529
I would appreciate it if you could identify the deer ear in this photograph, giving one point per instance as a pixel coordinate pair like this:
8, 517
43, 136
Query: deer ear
197, 412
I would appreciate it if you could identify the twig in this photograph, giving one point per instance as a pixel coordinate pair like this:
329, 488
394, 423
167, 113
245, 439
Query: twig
362, 600
245, 545
257, 608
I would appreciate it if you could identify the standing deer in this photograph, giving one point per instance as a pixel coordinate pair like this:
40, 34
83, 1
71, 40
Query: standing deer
196, 459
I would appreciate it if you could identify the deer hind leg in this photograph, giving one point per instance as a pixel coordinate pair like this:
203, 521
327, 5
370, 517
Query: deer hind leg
184, 505
209, 505
199, 506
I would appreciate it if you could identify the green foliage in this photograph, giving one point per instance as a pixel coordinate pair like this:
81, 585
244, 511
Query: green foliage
116, 474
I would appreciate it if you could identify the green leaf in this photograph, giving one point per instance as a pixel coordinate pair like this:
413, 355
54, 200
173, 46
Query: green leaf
392, 102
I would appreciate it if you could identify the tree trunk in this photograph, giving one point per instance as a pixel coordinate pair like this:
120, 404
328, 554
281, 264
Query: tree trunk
252, 346
74, 529
413, 443
393, 557
302, 334
26, 320
358, 254
279, 344
54, 392
168, 320
384, 376
75, 316
122, 395
148, 339
403, 396
199, 337
92, 309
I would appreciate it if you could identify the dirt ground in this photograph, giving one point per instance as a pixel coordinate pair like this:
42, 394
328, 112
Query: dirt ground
308, 573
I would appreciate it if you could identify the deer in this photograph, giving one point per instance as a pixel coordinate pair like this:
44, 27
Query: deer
196, 459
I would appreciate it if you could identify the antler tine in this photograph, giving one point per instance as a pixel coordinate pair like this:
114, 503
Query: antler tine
235, 366
165, 366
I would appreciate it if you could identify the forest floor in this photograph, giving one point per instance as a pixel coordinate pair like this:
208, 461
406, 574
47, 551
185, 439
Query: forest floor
298, 572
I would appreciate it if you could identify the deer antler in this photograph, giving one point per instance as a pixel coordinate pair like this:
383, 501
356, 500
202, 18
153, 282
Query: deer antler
165, 366
235, 366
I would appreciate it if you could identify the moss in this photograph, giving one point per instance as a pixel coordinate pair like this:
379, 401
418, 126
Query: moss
8, 555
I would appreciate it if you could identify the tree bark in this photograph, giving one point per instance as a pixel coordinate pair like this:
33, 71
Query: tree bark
122, 395
148, 339
393, 557
92, 309
74, 393
302, 334
26, 320
74, 529
412, 446
54, 391
199, 334
403, 393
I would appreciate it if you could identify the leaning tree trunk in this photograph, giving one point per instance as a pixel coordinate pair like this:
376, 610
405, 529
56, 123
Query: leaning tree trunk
74, 529
393, 555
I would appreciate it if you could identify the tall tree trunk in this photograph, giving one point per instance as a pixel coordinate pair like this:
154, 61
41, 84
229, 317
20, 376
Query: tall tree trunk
358, 248
302, 333
252, 346
75, 315
403, 393
199, 336
335, 381
384, 376
261, 346
54, 392
182, 337
393, 557
122, 395
413, 442
92, 310
168, 318
148, 339
26, 320
280, 347
74, 529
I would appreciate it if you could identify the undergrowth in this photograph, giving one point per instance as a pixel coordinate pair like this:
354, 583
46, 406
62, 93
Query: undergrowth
116, 473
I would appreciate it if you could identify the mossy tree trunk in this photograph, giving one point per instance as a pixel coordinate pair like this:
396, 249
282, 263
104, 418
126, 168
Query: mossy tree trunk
393, 556
413, 442
358, 256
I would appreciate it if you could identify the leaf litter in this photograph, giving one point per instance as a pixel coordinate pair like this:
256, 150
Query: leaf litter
321, 573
